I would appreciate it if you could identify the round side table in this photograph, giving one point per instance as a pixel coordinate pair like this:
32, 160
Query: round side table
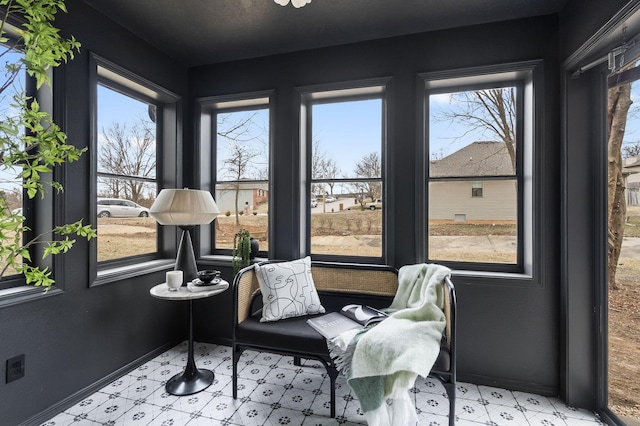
192, 379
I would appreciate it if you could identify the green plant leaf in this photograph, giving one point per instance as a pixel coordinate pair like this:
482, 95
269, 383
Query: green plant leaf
31, 144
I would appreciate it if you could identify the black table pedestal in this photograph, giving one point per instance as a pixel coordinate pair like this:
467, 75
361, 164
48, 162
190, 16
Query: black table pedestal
192, 379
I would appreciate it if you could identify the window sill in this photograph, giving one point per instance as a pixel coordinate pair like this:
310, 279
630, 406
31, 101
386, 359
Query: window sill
120, 273
24, 293
494, 278
223, 260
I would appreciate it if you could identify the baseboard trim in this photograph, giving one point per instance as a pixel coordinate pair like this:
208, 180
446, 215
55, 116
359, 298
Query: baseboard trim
223, 341
513, 385
75, 398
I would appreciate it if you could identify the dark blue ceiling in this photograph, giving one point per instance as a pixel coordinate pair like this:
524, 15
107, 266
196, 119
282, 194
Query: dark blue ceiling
198, 32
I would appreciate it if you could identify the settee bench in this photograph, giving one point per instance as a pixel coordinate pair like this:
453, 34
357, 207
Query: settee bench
337, 284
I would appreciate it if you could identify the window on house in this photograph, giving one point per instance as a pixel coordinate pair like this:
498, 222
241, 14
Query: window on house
476, 189
479, 135
240, 144
345, 169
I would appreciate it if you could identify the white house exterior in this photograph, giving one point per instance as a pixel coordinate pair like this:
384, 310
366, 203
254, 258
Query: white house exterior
631, 172
253, 193
473, 199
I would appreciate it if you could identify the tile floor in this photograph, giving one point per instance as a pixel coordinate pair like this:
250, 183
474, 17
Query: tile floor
272, 391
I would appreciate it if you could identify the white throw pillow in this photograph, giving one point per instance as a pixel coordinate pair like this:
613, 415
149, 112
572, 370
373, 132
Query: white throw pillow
288, 290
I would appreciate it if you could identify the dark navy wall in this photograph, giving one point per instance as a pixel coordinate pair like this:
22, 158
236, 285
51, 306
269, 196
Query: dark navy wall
581, 19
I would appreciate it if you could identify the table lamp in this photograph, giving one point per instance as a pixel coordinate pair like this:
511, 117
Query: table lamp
185, 208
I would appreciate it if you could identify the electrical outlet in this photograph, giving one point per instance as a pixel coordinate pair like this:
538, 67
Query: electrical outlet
15, 368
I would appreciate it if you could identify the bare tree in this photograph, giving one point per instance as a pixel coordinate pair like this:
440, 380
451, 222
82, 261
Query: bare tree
370, 166
322, 167
318, 159
492, 110
237, 164
619, 98
631, 150
331, 171
128, 153
243, 152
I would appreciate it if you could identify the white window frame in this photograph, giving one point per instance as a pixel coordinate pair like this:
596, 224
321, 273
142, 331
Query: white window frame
477, 184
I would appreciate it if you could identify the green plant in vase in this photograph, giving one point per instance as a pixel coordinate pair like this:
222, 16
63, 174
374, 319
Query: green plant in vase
241, 250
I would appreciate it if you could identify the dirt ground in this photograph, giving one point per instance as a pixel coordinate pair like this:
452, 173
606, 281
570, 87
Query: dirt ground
624, 341
624, 334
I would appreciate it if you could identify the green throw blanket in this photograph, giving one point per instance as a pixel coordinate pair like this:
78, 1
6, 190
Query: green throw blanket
382, 362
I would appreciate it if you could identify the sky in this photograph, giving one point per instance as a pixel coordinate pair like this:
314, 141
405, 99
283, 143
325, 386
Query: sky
345, 131
7, 176
114, 107
348, 131
254, 138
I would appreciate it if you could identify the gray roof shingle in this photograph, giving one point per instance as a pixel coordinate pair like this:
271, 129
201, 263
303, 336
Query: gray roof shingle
476, 159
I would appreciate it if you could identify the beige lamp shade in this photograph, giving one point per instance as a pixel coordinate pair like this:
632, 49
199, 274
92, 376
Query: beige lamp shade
184, 207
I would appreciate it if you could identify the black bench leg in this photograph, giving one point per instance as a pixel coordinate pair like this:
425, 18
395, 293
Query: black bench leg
235, 358
333, 375
451, 394
297, 361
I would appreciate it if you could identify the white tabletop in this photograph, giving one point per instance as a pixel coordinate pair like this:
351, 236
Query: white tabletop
161, 291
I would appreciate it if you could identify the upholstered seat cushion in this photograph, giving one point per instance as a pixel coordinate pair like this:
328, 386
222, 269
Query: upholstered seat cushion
291, 334
295, 335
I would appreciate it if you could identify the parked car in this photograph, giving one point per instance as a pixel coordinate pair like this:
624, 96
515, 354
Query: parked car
116, 207
314, 202
375, 204
329, 199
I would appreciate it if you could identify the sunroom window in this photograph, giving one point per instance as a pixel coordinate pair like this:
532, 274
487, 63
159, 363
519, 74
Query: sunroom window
126, 186
344, 156
133, 156
478, 161
235, 155
11, 192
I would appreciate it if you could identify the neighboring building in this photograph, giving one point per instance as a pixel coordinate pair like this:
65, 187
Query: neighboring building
253, 193
631, 172
473, 199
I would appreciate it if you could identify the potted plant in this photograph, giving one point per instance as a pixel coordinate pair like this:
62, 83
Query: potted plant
245, 249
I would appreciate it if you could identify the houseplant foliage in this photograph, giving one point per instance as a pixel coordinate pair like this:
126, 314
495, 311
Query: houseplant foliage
31, 144
241, 254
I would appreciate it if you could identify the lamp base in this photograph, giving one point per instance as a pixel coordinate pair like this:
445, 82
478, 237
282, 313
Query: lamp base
186, 258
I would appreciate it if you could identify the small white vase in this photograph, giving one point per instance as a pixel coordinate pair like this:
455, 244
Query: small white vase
174, 280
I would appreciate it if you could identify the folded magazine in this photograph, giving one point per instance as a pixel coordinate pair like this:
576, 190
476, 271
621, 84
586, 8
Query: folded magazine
349, 317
